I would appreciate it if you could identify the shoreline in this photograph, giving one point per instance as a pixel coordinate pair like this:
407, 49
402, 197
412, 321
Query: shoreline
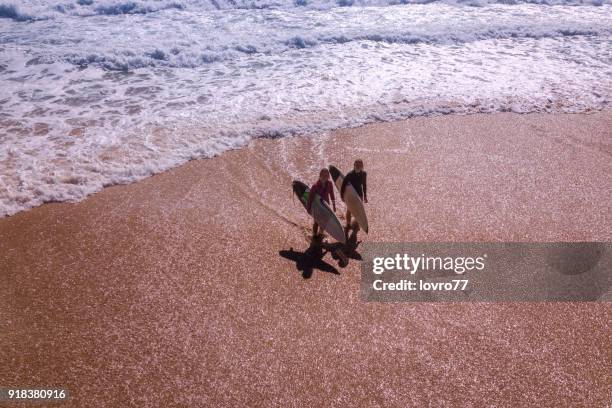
604, 111
171, 291
605, 115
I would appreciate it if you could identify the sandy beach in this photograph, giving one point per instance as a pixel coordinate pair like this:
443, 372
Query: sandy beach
171, 291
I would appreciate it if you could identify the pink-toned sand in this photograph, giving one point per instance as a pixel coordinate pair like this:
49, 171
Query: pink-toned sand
171, 292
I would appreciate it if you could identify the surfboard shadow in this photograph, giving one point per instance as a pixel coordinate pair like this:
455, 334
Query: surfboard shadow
309, 260
350, 248
312, 258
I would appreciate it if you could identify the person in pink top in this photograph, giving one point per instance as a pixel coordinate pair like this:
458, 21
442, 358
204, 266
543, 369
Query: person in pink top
325, 189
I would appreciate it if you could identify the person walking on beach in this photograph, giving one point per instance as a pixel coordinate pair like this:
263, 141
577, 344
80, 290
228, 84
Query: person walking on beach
324, 188
358, 179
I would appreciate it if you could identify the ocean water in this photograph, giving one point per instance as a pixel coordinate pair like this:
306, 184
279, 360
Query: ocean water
99, 92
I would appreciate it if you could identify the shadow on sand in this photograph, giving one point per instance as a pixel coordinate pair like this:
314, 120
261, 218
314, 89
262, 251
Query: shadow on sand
312, 258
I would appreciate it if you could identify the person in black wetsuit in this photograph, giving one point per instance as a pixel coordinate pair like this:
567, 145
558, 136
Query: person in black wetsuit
358, 179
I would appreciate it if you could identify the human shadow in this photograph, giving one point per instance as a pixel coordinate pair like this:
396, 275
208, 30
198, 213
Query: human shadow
310, 259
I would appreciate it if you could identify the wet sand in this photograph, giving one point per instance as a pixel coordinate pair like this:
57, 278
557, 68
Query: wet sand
171, 291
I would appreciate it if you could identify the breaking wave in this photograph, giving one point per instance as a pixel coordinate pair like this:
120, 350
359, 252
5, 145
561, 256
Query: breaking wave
32, 10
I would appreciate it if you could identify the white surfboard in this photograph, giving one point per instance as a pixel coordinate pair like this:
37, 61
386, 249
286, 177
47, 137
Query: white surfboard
320, 211
351, 198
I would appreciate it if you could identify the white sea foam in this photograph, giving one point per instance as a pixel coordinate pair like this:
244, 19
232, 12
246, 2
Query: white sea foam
99, 92
27, 10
